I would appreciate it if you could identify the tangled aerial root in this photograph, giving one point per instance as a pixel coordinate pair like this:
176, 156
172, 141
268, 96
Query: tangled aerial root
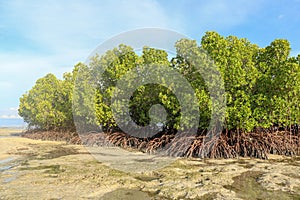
53, 136
223, 145
230, 145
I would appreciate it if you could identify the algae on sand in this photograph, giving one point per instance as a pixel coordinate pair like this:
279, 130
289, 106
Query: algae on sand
126, 194
49, 169
247, 186
64, 171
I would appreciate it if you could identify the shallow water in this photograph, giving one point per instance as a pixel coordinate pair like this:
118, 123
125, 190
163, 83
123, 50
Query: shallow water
5, 166
6, 160
2, 169
10, 179
247, 187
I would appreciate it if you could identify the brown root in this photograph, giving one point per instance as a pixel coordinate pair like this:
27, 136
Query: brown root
224, 145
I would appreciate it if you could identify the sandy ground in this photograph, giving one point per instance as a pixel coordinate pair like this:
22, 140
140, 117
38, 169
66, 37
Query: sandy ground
4, 132
31, 169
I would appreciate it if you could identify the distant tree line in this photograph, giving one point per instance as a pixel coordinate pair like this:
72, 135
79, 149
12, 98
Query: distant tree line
262, 87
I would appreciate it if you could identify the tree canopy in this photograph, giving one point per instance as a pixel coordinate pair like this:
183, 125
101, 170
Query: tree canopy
262, 87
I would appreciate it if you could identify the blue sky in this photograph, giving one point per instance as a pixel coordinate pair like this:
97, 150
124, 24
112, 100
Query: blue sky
39, 37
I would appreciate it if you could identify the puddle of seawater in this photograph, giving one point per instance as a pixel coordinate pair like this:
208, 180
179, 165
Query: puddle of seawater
11, 176
10, 179
6, 167
6, 160
2, 169
247, 187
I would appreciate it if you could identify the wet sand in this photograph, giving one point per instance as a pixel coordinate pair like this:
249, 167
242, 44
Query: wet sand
32, 169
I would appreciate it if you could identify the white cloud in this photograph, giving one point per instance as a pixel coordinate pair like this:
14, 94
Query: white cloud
66, 25
15, 65
9, 113
66, 32
19, 72
10, 117
61, 33
13, 108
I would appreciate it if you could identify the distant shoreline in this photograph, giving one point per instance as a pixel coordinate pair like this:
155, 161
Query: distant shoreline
12, 123
10, 131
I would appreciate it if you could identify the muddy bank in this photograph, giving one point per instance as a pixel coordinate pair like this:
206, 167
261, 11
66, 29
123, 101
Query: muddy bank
10, 132
33, 169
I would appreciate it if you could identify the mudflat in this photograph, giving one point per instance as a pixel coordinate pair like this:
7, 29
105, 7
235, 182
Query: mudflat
34, 169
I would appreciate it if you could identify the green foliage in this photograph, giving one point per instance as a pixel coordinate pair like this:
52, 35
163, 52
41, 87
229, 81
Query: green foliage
109, 68
46, 105
190, 70
262, 84
234, 57
262, 87
151, 94
83, 98
277, 90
